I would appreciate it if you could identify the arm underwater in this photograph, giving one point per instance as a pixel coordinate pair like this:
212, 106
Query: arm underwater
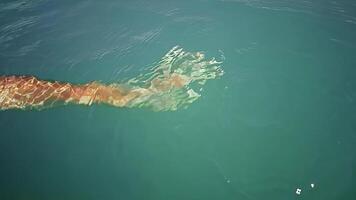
166, 86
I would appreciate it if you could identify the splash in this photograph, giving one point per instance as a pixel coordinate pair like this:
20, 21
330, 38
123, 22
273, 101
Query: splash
173, 83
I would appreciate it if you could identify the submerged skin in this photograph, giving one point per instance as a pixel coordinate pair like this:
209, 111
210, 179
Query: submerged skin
166, 86
23, 92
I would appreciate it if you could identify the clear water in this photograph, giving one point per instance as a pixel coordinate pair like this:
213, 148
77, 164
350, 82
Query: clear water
282, 117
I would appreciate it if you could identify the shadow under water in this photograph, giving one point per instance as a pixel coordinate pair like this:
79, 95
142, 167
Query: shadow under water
171, 84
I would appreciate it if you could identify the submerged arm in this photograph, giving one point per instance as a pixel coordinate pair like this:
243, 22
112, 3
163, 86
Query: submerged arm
165, 87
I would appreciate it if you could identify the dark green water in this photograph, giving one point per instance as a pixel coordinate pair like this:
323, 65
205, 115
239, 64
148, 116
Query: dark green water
282, 117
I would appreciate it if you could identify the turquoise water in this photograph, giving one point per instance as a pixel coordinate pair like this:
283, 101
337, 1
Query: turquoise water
282, 116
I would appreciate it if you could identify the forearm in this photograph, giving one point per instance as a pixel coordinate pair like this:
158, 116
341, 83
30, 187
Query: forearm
26, 92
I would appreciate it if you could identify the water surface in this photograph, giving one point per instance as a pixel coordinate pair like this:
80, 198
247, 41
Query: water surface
282, 117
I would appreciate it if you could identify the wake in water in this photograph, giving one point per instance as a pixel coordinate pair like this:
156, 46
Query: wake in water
171, 84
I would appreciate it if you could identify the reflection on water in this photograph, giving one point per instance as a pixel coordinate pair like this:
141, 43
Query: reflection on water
169, 85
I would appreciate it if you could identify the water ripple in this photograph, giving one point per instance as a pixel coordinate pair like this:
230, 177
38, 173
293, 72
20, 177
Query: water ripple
148, 36
20, 5
340, 10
